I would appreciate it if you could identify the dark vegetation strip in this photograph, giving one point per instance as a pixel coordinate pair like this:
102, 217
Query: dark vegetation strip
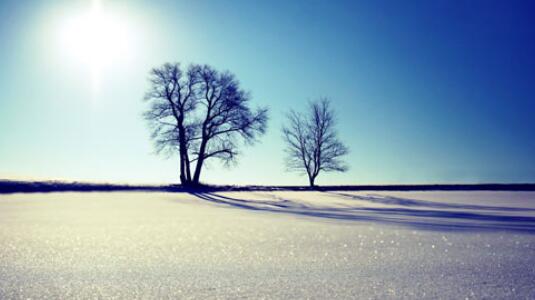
10, 186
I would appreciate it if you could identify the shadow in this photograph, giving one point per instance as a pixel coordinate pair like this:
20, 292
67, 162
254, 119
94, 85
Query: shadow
391, 200
427, 218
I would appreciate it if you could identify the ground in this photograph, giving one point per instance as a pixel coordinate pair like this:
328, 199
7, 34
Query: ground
322, 245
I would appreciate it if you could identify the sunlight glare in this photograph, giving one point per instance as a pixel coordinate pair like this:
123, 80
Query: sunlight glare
95, 39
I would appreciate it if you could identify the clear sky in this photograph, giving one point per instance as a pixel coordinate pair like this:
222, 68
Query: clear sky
425, 91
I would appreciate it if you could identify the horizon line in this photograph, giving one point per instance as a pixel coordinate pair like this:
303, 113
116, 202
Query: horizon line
19, 186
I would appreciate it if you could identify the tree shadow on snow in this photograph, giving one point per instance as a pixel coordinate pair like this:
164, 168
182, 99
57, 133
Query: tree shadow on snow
420, 214
391, 200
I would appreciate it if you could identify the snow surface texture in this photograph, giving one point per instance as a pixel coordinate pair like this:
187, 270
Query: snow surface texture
319, 245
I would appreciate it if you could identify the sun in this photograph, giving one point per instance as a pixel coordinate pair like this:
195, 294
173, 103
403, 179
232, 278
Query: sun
95, 39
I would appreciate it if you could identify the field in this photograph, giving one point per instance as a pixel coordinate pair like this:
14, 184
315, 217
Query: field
268, 244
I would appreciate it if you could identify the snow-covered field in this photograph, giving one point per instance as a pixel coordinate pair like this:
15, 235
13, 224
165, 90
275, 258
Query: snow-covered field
320, 245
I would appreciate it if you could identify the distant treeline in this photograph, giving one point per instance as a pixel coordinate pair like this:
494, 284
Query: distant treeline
10, 186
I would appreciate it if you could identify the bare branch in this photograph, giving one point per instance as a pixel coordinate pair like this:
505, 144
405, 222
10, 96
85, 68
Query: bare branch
202, 113
312, 145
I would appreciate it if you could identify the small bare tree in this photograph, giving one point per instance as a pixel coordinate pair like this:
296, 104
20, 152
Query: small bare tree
312, 142
200, 113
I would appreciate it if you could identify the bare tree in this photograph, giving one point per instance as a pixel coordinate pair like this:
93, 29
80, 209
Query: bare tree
226, 118
201, 114
312, 142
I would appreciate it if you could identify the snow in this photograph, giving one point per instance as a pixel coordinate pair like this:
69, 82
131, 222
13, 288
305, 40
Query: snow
318, 245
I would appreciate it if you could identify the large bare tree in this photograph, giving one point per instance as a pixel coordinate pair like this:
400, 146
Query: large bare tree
201, 113
312, 142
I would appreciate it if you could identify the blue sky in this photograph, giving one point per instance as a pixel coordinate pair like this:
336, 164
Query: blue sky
425, 91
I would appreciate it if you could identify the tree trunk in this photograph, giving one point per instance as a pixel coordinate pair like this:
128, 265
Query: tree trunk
185, 175
188, 170
311, 181
182, 171
197, 174
185, 178
200, 161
